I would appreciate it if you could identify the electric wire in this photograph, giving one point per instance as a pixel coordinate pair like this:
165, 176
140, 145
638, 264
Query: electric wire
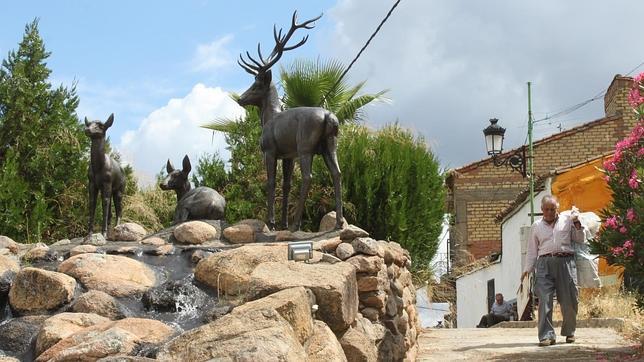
384, 20
577, 106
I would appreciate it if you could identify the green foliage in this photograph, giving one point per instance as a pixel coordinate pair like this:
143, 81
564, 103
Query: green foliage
210, 172
131, 183
243, 187
395, 186
43, 151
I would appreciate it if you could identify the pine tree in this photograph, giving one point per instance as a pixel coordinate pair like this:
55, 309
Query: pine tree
43, 150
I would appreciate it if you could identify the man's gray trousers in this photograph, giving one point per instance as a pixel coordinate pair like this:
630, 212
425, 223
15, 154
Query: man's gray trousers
556, 274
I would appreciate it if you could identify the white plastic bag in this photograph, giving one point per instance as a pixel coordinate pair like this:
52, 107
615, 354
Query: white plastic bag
587, 268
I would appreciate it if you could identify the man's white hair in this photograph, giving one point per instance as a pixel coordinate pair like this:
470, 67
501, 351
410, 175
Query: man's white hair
549, 199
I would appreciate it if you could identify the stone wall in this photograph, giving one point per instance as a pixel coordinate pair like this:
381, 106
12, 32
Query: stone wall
198, 298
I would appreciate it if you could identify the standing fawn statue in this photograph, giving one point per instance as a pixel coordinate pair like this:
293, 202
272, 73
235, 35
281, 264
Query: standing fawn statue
299, 132
192, 204
105, 175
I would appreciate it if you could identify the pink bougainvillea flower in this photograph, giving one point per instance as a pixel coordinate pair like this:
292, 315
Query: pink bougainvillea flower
640, 152
630, 215
617, 251
611, 222
638, 79
623, 230
609, 165
633, 182
628, 244
634, 98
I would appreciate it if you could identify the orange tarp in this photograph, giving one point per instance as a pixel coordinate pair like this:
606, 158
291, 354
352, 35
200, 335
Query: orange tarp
585, 187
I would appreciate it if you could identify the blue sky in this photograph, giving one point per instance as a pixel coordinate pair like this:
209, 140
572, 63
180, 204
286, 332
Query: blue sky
166, 67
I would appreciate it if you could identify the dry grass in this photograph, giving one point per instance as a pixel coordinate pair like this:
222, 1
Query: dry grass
610, 302
152, 208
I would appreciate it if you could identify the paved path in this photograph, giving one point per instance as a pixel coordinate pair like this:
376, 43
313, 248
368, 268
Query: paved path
520, 344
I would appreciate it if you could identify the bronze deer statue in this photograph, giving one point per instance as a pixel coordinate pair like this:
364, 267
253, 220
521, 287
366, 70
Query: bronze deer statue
105, 176
299, 132
192, 204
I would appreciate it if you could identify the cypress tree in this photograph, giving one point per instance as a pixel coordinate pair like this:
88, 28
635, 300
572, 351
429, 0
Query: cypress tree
43, 151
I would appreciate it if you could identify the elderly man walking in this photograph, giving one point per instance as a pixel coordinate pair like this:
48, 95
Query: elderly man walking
552, 256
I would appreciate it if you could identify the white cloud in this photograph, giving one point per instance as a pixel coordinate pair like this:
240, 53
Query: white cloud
212, 56
452, 65
173, 131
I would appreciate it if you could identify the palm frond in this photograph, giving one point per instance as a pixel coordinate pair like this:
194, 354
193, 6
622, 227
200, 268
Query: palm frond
351, 109
223, 124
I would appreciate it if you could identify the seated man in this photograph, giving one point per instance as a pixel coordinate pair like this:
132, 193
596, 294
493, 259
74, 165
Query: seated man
501, 311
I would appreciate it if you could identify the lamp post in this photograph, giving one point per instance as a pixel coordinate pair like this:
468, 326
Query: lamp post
517, 160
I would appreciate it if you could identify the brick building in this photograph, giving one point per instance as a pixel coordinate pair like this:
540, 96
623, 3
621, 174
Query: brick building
479, 191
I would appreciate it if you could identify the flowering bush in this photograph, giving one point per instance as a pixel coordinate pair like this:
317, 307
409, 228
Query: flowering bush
622, 234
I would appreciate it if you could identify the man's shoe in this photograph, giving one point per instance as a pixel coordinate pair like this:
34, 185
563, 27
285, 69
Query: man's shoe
570, 339
547, 342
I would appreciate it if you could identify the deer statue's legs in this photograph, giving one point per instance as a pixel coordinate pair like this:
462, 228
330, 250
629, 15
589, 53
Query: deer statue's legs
93, 195
331, 161
118, 198
106, 196
287, 170
306, 161
271, 166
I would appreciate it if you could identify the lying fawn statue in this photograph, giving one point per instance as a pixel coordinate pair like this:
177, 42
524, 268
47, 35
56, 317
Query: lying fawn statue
105, 176
192, 204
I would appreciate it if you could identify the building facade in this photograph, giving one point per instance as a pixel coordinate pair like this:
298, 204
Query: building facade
479, 191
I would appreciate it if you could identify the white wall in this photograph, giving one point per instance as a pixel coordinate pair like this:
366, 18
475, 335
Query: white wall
471, 295
471, 289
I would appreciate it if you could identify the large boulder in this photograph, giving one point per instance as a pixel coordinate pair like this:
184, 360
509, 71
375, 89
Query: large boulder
9, 267
35, 291
366, 246
344, 251
327, 245
128, 231
255, 335
351, 232
62, 325
83, 249
96, 239
293, 304
39, 251
357, 347
7, 242
195, 232
101, 303
323, 346
328, 222
366, 264
229, 271
334, 286
106, 339
17, 334
244, 231
118, 276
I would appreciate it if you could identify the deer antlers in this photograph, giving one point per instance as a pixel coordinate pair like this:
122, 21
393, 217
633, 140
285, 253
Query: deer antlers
255, 67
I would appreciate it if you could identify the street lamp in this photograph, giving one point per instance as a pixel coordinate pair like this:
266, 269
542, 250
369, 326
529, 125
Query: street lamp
494, 135
517, 160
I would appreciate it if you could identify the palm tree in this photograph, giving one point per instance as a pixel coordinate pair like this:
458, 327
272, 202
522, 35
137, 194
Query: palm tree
309, 83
